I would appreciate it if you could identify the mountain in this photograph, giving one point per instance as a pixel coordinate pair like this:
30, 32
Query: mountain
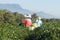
14, 8
45, 15
18, 8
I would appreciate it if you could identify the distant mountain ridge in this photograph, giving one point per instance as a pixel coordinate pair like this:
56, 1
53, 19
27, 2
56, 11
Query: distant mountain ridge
18, 8
44, 15
14, 8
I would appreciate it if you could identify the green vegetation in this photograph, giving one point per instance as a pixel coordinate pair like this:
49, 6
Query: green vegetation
10, 29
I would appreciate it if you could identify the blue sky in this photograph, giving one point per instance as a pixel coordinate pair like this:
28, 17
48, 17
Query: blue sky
47, 6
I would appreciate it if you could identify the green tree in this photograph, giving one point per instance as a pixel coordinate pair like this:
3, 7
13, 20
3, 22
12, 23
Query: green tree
34, 16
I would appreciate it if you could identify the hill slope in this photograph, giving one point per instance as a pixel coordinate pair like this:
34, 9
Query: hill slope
14, 8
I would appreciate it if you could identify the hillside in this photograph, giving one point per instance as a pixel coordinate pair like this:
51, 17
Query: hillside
48, 31
11, 30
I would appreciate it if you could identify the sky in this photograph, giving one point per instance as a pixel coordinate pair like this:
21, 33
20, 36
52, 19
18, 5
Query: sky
47, 6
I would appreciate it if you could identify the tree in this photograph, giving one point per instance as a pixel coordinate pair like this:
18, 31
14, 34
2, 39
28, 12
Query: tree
34, 16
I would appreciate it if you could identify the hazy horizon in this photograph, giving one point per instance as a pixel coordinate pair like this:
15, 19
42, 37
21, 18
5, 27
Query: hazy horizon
47, 6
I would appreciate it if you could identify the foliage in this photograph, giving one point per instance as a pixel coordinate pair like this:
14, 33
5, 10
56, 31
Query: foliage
34, 16
11, 17
10, 30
